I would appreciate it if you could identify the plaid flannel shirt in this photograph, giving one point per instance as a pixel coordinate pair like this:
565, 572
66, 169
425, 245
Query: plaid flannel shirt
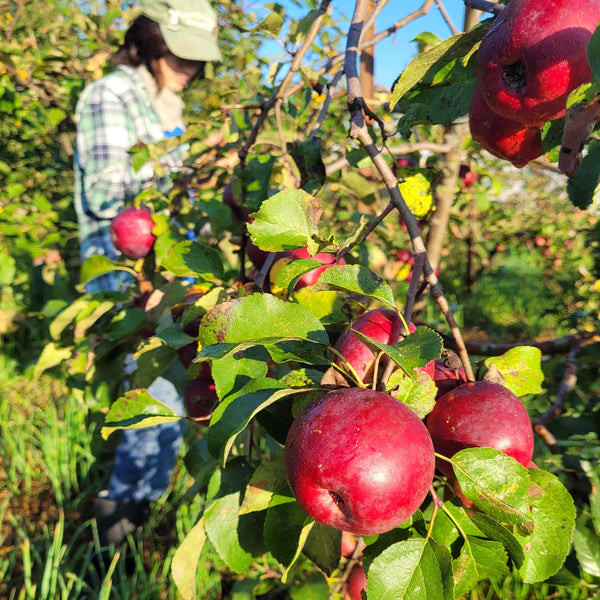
112, 115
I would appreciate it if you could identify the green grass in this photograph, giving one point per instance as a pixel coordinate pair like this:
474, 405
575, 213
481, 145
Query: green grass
53, 462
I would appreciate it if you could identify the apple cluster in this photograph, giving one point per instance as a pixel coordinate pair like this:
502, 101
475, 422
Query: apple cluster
527, 64
362, 461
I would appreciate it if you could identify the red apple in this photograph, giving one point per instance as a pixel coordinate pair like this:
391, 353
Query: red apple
445, 377
359, 460
503, 137
310, 278
480, 414
534, 55
131, 232
467, 176
348, 544
381, 324
200, 396
356, 582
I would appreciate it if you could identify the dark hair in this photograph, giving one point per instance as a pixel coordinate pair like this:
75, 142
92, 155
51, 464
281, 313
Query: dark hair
143, 43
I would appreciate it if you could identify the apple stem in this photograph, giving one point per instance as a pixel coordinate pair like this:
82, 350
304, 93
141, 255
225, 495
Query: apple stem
262, 274
355, 558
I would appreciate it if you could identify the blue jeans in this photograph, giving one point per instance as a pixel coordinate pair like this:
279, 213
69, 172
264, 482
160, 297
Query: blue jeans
146, 457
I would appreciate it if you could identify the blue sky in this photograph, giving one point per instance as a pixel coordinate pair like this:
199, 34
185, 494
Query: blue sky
394, 53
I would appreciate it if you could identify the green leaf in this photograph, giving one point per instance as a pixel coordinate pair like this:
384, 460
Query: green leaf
553, 514
587, 548
582, 186
271, 24
323, 547
290, 272
134, 410
185, 561
256, 179
408, 570
98, 265
285, 221
140, 155
478, 560
418, 394
521, 368
356, 279
593, 474
193, 259
286, 530
357, 157
89, 315
128, 321
231, 373
496, 531
496, 483
268, 479
223, 524
51, 355
67, 316
593, 53
414, 351
431, 60
307, 155
153, 358
262, 319
312, 587
174, 337
325, 306
233, 414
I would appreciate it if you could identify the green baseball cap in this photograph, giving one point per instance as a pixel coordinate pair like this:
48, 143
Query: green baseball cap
189, 27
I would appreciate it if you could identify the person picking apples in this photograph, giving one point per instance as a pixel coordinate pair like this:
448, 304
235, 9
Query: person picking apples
164, 50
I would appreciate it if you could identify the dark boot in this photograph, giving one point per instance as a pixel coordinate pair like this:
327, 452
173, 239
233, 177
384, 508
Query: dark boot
116, 520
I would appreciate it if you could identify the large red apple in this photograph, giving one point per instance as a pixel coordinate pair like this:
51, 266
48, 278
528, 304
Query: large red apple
503, 137
310, 278
480, 414
359, 460
381, 324
131, 232
534, 55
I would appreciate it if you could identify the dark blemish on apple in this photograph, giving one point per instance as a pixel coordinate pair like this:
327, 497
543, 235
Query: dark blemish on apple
566, 150
339, 501
515, 76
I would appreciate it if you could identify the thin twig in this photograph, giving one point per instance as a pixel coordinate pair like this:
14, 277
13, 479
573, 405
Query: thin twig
558, 407
554, 346
280, 93
372, 226
446, 17
316, 128
484, 5
360, 131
